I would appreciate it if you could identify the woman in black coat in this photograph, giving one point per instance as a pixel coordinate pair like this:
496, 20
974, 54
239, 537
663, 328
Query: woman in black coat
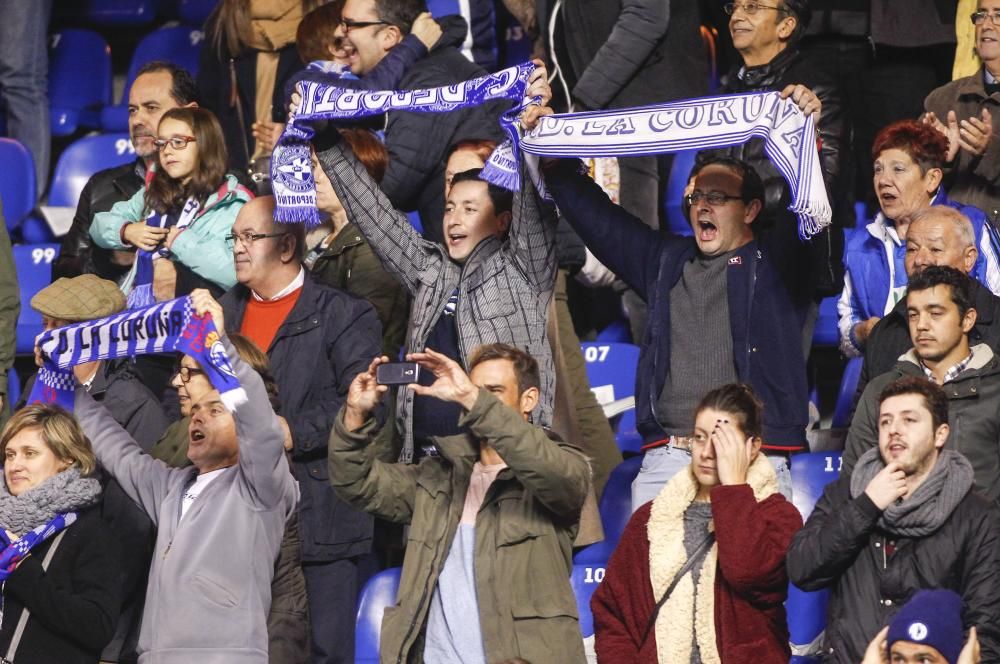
59, 560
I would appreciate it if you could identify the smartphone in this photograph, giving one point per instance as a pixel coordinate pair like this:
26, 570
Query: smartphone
397, 373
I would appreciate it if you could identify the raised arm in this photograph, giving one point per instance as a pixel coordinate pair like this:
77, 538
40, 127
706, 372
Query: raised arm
146, 480
397, 244
532, 237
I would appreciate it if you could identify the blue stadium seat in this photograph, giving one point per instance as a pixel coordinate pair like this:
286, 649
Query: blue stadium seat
194, 12
615, 508
845, 396
34, 272
115, 12
178, 44
585, 579
680, 172
13, 387
611, 364
627, 434
617, 331
378, 594
807, 610
415, 221
82, 159
825, 332
17, 186
79, 80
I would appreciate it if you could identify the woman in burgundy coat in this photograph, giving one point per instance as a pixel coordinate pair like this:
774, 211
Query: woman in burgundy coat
726, 514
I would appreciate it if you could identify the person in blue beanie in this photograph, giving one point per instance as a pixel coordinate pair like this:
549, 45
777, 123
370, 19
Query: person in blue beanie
928, 629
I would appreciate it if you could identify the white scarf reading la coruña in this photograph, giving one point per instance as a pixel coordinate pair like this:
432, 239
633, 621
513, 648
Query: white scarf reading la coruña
291, 166
709, 122
166, 327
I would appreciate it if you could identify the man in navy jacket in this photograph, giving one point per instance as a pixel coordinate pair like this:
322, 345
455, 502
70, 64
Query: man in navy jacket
723, 307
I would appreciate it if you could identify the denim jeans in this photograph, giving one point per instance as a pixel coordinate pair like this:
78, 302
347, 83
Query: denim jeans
660, 464
24, 78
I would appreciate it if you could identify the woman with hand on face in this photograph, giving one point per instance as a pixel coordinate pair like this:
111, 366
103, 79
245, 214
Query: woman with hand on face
179, 221
699, 572
59, 560
909, 160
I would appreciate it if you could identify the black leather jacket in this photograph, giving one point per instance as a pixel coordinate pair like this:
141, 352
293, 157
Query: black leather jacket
78, 254
825, 251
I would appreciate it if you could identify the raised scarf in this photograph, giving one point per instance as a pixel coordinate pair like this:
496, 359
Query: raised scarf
291, 165
923, 512
141, 294
166, 327
704, 123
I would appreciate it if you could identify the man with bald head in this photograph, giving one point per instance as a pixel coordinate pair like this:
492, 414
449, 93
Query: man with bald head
318, 339
939, 235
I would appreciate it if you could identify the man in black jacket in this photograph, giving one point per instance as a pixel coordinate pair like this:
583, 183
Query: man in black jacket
939, 235
317, 339
906, 518
418, 142
765, 35
158, 87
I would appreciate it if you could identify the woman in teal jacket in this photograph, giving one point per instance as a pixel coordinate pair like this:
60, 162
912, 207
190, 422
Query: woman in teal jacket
188, 207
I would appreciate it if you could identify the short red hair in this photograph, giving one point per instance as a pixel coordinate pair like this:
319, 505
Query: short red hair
483, 148
925, 144
370, 151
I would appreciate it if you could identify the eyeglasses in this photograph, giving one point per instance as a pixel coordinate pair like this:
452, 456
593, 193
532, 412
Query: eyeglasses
749, 8
187, 372
350, 25
247, 238
979, 18
176, 142
714, 198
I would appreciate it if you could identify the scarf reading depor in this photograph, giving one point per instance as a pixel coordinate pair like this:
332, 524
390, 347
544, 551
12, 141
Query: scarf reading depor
291, 165
166, 327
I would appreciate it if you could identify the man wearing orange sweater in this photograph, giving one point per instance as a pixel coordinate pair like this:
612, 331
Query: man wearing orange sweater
317, 338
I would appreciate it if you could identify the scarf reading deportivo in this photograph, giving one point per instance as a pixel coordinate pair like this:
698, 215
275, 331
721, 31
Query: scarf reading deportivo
166, 327
710, 122
291, 165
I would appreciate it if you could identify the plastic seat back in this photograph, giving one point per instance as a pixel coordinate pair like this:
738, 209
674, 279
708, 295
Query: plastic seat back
845, 395
79, 79
585, 579
34, 272
615, 508
378, 594
82, 159
18, 192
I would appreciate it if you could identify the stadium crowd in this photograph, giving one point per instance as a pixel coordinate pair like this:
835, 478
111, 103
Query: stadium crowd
402, 385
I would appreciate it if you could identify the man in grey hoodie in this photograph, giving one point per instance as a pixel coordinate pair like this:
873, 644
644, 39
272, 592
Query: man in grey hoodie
219, 522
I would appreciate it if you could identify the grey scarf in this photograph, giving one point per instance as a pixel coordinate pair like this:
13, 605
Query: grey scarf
61, 493
923, 512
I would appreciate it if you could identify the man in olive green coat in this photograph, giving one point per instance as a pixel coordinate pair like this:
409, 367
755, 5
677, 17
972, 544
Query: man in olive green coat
492, 519
10, 307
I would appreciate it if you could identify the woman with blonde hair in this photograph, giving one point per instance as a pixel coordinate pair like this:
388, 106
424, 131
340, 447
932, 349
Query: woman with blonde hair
59, 563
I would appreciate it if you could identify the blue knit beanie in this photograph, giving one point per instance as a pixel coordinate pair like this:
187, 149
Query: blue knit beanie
931, 617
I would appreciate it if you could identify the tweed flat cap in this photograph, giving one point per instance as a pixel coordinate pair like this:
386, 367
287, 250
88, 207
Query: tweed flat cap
80, 298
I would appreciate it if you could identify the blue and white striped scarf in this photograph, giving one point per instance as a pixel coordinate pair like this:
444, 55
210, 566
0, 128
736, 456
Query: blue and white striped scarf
166, 327
291, 165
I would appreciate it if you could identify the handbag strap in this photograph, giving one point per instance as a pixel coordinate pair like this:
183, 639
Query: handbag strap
15, 641
691, 562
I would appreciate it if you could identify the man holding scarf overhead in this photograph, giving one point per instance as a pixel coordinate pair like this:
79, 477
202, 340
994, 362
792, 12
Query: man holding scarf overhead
219, 523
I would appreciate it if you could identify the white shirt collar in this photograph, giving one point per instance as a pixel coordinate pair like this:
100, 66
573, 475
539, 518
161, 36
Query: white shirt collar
296, 284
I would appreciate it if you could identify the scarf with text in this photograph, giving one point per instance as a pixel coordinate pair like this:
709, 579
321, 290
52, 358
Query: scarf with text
141, 294
291, 164
166, 327
705, 123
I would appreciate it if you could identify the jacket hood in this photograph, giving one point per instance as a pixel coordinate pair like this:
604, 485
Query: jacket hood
982, 358
454, 30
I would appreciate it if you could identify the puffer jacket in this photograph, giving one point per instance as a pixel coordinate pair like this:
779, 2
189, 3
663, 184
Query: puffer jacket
841, 547
78, 254
973, 404
504, 285
823, 253
418, 142
201, 246
524, 531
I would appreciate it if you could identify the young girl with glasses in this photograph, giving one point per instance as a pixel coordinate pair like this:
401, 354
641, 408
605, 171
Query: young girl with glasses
178, 222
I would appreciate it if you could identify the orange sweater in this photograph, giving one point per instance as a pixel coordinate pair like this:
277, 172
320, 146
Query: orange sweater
263, 318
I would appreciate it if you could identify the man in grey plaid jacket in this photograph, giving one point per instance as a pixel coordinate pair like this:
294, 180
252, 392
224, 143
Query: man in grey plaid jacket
502, 284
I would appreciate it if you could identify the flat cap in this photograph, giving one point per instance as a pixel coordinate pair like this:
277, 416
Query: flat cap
79, 299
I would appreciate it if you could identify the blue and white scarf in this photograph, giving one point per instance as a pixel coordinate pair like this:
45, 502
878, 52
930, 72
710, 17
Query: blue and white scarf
709, 122
291, 166
166, 327
141, 294
14, 552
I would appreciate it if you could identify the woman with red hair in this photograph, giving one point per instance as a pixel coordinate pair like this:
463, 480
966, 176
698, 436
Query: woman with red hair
909, 158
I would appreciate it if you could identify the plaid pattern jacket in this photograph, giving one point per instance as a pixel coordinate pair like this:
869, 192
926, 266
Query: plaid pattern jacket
504, 286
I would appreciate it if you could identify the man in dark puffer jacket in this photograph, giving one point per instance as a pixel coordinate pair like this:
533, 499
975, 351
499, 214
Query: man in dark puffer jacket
906, 518
418, 142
